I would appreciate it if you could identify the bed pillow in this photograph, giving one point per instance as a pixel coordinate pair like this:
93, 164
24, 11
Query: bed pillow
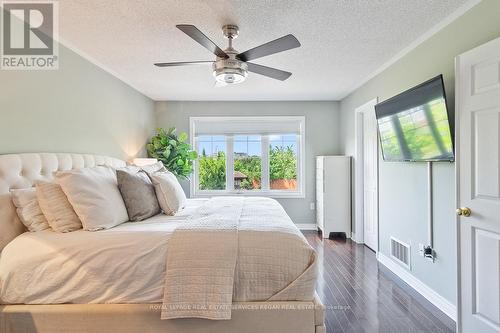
169, 192
138, 193
94, 194
56, 207
28, 209
155, 167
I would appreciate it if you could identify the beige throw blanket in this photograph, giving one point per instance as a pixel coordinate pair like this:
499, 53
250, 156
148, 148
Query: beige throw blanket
236, 249
201, 259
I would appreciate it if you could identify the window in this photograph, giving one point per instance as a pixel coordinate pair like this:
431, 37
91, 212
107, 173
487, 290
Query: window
248, 156
247, 162
212, 160
283, 162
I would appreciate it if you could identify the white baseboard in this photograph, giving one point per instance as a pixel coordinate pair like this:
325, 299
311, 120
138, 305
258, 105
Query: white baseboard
355, 239
439, 301
306, 226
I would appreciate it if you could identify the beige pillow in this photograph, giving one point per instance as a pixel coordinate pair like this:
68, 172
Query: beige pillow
56, 207
155, 167
28, 209
94, 194
169, 192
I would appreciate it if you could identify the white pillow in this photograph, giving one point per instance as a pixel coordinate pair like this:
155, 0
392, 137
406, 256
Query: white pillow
28, 210
56, 207
155, 167
169, 192
94, 194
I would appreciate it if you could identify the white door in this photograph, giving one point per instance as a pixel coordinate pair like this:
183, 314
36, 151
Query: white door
367, 177
320, 190
478, 157
370, 195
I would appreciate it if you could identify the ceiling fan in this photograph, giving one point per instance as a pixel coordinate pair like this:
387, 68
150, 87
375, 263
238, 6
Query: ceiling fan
231, 67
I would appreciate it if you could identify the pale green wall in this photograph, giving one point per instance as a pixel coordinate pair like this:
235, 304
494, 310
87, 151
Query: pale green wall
403, 186
322, 121
78, 108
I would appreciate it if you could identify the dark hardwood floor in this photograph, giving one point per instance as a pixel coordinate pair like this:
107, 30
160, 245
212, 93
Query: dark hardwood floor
361, 295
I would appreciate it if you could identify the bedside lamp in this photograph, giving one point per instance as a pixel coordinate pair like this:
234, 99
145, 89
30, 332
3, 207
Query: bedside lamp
143, 161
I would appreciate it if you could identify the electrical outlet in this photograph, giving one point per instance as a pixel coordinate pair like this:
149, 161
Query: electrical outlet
311, 206
427, 252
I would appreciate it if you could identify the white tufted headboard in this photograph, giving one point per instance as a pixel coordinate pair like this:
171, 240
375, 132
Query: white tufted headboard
23, 170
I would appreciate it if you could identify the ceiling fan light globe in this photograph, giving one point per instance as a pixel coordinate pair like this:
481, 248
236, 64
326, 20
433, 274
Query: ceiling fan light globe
230, 78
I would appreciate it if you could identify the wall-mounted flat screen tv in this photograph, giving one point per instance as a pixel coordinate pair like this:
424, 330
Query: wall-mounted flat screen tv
414, 125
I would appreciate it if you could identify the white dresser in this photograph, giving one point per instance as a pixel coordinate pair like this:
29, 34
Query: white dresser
333, 195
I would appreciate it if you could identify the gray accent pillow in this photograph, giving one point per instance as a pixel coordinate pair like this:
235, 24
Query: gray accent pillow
138, 194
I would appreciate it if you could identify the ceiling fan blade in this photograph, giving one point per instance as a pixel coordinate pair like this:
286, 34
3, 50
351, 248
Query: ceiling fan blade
278, 45
268, 71
198, 36
182, 63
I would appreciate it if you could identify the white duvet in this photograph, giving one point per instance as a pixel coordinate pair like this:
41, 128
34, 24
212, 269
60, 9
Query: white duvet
125, 264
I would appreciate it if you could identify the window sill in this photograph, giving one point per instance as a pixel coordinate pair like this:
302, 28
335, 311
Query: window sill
267, 194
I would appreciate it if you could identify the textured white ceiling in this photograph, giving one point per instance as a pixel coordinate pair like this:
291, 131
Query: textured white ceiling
342, 41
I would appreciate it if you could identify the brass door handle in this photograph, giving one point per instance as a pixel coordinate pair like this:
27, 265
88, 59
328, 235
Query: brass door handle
464, 211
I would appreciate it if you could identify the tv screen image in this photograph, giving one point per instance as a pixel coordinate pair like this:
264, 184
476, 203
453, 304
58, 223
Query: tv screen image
414, 125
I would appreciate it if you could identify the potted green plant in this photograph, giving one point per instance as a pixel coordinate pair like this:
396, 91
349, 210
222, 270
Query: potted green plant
173, 151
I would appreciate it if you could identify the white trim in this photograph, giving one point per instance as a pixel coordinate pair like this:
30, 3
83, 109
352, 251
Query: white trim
277, 194
355, 238
359, 170
218, 119
229, 164
431, 32
194, 176
458, 111
306, 226
301, 153
265, 176
439, 301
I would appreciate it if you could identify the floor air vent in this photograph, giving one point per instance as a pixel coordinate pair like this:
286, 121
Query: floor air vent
400, 252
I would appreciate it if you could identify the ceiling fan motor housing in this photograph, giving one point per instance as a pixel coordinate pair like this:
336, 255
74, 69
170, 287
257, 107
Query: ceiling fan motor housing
230, 70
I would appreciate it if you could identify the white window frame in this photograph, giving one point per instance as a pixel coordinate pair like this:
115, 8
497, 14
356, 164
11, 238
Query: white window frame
265, 191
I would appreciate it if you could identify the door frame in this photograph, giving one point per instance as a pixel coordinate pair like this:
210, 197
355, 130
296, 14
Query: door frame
358, 235
458, 105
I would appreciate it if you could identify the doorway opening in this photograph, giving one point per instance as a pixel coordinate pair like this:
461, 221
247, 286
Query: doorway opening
366, 161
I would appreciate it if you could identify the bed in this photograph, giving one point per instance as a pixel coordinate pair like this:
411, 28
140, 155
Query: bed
117, 284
